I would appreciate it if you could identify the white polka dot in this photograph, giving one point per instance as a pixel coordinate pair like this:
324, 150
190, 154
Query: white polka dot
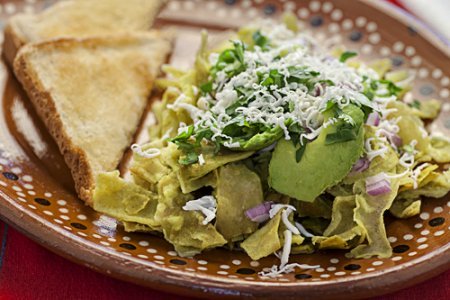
61, 202
126, 238
222, 272
436, 73
173, 5
82, 217
254, 263
81, 233
366, 49
58, 221
142, 256
371, 27
17, 188
438, 210
347, 24
224, 267
47, 194
424, 216
377, 263
410, 51
303, 13
444, 93
396, 258
236, 262
234, 276
336, 15
385, 51
370, 269
314, 5
331, 269
67, 228
333, 27
325, 275
28, 186
16, 170
327, 7
416, 61
2, 183
111, 239
392, 239
252, 12
32, 193
425, 232
48, 213
408, 237
143, 243
374, 38
63, 210
21, 194
158, 257
445, 81
334, 260
439, 233
422, 240
412, 253
27, 178
158, 262
202, 262
21, 199
446, 108
360, 21
172, 253
151, 250
97, 236
423, 246
423, 73
281, 279
398, 46
320, 270
202, 268
339, 273
355, 273
64, 217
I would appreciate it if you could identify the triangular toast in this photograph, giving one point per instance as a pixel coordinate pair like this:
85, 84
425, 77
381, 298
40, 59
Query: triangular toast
91, 94
78, 18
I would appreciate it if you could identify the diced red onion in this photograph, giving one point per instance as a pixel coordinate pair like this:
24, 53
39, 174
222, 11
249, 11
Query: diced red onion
361, 165
259, 213
373, 119
378, 185
396, 140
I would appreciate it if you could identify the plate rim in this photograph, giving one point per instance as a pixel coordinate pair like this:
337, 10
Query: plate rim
109, 262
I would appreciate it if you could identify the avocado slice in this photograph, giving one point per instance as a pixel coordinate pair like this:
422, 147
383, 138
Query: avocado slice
322, 165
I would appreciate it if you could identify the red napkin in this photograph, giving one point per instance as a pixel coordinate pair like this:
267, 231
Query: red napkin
28, 271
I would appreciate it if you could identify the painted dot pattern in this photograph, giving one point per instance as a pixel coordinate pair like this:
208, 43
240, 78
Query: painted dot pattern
361, 32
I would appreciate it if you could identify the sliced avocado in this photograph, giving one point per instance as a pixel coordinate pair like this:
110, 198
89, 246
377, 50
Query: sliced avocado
322, 165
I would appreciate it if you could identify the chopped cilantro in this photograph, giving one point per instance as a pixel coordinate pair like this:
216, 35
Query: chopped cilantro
189, 158
346, 55
415, 104
260, 40
345, 132
207, 87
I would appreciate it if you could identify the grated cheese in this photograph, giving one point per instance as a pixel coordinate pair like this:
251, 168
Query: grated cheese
149, 153
206, 205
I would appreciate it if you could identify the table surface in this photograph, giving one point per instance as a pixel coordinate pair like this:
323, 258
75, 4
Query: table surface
29, 271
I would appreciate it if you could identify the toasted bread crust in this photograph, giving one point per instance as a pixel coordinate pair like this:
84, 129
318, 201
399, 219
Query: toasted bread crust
78, 19
76, 157
42, 100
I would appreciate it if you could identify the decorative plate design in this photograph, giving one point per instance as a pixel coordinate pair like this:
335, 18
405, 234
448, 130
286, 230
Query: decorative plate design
37, 196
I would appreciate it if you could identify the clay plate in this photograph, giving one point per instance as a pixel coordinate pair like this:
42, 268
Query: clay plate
37, 196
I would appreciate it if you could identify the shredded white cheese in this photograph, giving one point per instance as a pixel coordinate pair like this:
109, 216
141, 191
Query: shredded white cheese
303, 230
206, 205
148, 153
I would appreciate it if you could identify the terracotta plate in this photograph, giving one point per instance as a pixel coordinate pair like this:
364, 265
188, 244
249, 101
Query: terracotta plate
37, 193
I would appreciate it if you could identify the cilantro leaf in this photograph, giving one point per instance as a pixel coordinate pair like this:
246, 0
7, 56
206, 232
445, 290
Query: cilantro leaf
299, 153
415, 104
345, 132
207, 87
346, 55
260, 40
189, 158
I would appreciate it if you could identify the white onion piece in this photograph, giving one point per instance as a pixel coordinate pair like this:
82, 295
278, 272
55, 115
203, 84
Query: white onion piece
373, 119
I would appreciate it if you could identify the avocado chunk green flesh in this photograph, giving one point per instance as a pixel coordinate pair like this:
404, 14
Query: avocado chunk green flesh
321, 166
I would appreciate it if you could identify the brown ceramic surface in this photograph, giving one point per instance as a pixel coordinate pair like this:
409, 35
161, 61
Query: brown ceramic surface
37, 195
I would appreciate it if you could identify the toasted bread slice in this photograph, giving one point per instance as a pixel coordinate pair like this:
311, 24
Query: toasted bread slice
78, 18
91, 94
